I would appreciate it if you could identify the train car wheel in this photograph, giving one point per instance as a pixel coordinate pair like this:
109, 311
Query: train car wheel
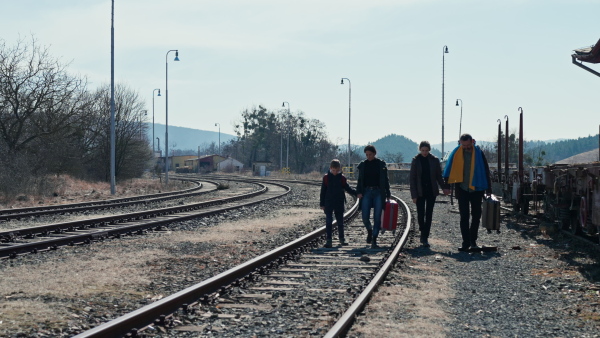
575, 226
525, 206
582, 213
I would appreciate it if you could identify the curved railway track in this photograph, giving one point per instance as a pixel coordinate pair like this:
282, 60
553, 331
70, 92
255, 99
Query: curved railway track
51, 236
278, 284
22, 213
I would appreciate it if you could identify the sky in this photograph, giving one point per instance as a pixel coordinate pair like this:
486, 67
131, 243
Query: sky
238, 54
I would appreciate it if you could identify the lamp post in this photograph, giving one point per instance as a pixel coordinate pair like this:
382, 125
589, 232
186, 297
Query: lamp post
444, 52
219, 136
506, 137
349, 111
141, 129
499, 151
460, 125
287, 156
158, 142
281, 149
167, 111
112, 99
153, 149
521, 143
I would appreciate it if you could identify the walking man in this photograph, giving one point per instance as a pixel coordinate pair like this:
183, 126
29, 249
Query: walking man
468, 169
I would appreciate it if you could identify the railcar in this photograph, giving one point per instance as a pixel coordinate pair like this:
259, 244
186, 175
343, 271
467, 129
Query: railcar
567, 195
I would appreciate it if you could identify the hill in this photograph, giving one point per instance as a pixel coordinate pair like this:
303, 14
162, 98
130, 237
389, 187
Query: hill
187, 138
557, 150
564, 149
586, 157
390, 145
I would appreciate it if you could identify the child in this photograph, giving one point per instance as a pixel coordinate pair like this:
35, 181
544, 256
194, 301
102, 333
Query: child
333, 199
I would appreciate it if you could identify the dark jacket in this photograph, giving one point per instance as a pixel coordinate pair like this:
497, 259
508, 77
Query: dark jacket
332, 190
435, 176
384, 182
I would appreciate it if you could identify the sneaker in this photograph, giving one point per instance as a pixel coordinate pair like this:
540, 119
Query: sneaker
369, 238
425, 244
463, 248
328, 244
343, 242
474, 247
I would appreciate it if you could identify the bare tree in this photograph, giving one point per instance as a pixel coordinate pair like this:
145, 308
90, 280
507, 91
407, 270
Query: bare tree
133, 152
40, 107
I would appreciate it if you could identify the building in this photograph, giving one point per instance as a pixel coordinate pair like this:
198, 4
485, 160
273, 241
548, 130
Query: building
204, 163
261, 168
230, 165
178, 162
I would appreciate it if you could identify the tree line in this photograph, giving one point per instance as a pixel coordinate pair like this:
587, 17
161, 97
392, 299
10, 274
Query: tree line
52, 124
539, 153
285, 139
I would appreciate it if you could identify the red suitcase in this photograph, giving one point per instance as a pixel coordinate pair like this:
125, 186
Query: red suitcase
389, 217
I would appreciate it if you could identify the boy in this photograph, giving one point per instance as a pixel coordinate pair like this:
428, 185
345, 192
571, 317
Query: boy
333, 199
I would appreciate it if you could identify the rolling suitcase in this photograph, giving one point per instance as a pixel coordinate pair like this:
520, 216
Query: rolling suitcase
389, 217
490, 216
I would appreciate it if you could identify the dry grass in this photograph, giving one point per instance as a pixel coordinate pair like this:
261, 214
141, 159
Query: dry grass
15, 312
23, 288
252, 229
103, 272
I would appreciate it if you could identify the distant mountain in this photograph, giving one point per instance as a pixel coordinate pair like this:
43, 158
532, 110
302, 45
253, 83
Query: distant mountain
555, 150
392, 144
182, 138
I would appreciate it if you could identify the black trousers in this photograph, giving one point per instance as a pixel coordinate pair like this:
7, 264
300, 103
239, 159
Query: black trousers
425, 206
338, 211
469, 206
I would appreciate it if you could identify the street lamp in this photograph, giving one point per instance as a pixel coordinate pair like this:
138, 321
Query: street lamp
158, 142
287, 156
460, 126
219, 136
112, 100
153, 149
506, 150
499, 151
167, 111
444, 52
349, 111
521, 143
141, 129
281, 147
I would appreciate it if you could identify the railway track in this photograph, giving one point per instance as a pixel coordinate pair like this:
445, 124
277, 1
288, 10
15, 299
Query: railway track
51, 236
23, 213
280, 289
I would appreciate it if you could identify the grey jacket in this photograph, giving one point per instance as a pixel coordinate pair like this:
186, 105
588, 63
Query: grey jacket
416, 173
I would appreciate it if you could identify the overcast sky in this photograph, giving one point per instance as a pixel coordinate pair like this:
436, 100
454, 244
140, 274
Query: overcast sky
236, 54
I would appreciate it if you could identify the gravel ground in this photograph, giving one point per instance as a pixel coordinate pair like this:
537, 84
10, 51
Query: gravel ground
61, 293
535, 285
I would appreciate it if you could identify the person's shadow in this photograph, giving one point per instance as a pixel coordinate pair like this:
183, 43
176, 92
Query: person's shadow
460, 256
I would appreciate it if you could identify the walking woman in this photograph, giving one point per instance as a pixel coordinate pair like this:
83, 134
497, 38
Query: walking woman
373, 188
425, 176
